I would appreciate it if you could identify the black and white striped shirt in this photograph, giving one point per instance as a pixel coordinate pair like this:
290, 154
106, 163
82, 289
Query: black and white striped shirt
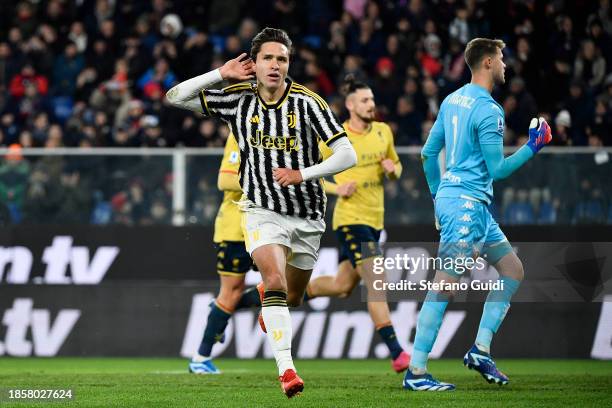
283, 134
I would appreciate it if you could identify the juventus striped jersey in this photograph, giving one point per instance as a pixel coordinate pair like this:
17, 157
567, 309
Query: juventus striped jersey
282, 134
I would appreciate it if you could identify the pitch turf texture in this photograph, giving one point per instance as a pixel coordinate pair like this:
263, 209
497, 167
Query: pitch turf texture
122, 382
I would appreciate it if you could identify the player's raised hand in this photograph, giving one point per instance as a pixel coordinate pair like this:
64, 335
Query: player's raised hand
388, 166
539, 134
287, 177
346, 189
238, 69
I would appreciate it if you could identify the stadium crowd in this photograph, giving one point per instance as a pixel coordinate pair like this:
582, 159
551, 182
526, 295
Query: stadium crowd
93, 73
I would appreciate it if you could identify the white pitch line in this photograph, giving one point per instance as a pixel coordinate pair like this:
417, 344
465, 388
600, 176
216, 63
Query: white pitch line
234, 370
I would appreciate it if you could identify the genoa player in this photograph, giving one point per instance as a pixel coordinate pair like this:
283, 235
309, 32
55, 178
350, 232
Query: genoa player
359, 212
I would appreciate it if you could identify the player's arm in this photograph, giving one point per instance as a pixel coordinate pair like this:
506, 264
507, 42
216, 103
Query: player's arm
330, 187
343, 156
228, 180
392, 164
186, 94
341, 190
492, 147
430, 152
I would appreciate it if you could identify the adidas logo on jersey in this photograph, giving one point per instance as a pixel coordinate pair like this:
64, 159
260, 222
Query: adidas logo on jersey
255, 119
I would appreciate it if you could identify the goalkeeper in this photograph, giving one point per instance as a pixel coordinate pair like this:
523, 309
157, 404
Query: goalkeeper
470, 125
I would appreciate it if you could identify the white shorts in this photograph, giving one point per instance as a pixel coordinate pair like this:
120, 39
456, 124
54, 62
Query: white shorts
301, 236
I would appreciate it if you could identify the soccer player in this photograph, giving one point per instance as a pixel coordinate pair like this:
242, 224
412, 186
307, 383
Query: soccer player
233, 262
470, 125
359, 212
277, 124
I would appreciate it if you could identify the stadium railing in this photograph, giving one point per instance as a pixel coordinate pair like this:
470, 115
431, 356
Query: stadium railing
136, 186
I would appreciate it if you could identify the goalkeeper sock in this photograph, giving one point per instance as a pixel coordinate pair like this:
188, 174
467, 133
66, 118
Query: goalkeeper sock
278, 324
387, 333
249, 298
428, 324
215, 326
494, 311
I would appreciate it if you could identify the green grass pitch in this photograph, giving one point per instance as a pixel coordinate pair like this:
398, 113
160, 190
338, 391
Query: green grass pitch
129, 382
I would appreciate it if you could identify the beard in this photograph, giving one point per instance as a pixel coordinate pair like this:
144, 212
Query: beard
369, 117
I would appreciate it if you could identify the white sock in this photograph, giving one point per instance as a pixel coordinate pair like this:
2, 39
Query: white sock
198, 358
483, 348
418, 371
278, 325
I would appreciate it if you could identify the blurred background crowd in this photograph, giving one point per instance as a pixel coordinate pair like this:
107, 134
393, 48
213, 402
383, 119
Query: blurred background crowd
93, 73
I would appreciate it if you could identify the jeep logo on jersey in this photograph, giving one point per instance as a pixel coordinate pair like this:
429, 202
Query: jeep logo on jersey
285, 143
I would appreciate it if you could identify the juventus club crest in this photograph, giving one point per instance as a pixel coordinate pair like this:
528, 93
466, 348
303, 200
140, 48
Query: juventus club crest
292, 119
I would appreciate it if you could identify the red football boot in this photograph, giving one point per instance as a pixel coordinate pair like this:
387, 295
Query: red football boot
291, 383
401, 363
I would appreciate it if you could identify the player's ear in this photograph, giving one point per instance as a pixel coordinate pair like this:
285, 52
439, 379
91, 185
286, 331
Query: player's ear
348, 103
487, 62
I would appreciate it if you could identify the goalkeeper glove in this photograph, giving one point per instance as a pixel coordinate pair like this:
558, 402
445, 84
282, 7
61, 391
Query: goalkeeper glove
539, 134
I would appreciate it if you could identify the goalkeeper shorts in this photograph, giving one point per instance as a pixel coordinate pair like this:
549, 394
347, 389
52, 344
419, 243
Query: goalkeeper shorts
467, 228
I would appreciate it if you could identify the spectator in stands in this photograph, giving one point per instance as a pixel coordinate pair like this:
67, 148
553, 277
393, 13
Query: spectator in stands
590, 208
160, 75
526, 107
600, 38
100, 59
407, 121
430, 58
601, 122
519, 211
9, 66
28, 75
14, 174
590, 66
563, 125
410, 50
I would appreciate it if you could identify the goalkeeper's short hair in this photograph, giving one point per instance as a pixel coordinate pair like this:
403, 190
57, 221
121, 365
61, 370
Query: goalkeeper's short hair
479, 48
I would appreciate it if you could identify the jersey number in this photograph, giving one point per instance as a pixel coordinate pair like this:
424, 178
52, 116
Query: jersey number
455, 121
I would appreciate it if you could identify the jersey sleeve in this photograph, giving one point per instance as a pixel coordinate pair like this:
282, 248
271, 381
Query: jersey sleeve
325, 150
391, 153
323, 121
231, 156
489, 124
223, 103
431, 150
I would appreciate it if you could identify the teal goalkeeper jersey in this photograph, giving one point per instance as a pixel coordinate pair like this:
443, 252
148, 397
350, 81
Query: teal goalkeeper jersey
468, 119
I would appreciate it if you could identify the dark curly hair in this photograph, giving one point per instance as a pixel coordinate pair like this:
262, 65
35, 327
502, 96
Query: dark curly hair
269, 35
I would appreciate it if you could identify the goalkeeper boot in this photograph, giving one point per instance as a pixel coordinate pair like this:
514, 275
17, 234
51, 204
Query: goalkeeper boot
476, 359
291, 383
424, 382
